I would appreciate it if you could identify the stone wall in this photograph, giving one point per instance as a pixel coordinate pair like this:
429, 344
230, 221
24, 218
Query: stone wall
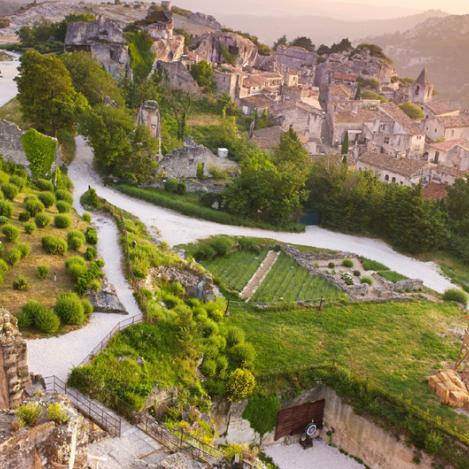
11, 147
178, 76
349, 431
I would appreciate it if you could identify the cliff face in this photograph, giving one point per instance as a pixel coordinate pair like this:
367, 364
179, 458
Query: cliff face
224, 47
438, 44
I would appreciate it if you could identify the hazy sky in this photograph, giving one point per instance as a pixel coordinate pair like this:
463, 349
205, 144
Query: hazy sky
451, 6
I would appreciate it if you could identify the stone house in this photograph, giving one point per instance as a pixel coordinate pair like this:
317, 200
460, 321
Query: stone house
258, 104
453, 153
260, 83
227, 80
450, 127
105, 40
422, 89
267, 138
394, 170
440, 108
395, 133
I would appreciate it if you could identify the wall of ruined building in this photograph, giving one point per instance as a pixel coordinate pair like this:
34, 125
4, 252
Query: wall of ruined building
349, 431
178, 76
11, 147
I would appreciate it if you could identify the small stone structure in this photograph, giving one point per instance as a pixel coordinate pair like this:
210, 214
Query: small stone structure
450, 388
178, 76
184, 162
11, 147
149, 116
14, 375
106, 300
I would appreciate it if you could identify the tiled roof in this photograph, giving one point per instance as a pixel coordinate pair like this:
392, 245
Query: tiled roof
441, 107
267, 138
340, 91
401, 118
345, 76
358, 117
434, 191
453, 122
257, 100
402, 166
450, 144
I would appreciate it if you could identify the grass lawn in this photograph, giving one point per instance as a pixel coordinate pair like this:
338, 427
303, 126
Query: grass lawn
289, 282
235, 270
11, 112
393, 345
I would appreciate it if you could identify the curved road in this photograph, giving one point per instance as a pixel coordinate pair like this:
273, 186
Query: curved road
177, 229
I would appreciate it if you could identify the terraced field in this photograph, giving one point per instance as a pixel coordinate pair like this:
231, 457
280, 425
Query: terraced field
235, 270
288, 282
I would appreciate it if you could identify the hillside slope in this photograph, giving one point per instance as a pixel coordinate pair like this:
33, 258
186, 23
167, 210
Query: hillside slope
438, 43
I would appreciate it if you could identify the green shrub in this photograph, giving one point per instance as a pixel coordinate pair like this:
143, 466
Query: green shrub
33, 206
366, 280
368, 264
10, 232
24, 216
456, 295
10, 191
357, 273
6, 208
241, 384
234, 336
30, 228
347, 263
40, 150
3, 220
25, 249
42, 220
64, 195
34, 314
86, 217
433, 442
90, 253
76, 266
70, 309
242, 355
21, 283
249, 244
18, 181
87, 306
391, 276
3, 267
75, 240
222, 245
208, 368
331, 265
62, 221
171, 185
29, 413
63, 207
47, 198
204, 252
44, 185
261, 412
54, 246
57, 414
42, 271
13, 256
91, 236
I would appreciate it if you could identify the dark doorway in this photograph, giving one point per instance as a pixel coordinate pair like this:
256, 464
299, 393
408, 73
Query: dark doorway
293, 420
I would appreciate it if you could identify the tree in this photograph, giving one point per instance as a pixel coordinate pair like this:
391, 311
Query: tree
46, 93
414, 111
180, 106
345, 144
281, 41
109, 132
304, 42
241, 384
141, 54
202, 73
90, 79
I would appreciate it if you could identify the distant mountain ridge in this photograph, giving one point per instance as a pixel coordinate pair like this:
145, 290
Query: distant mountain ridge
322, 29
441, 44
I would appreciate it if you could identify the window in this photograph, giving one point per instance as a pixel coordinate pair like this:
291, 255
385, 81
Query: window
386, 178
437, 157
386, 140
393, 179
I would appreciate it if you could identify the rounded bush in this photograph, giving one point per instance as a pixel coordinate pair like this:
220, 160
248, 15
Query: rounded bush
13, 256
366, 280
208, 327
63, 207
86, 217
18, 181
456, 295
234, 336
242, 355
204, 252
241, 384
209, 368
3, 267
62, 221
91, 253
76, 266
21, 283
64, 195
25, 249
222, 245
70, 309
44, 185
24, 216
87, 306
42, 271
347, 263
3, 220
42, 220
30, 228
47, 198
6, 208
34, 314
10, 232
75, 240
54, 246
10, 191
357, 273
331, 265
33, 206
91, 236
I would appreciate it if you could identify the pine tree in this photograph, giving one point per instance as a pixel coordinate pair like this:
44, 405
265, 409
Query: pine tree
345, 144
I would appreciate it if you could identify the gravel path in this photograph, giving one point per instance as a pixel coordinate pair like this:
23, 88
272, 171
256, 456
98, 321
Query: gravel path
178, 229
8, 87
321, 456
259, 276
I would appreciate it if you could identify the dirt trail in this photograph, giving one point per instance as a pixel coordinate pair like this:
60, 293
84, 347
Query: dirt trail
259, 276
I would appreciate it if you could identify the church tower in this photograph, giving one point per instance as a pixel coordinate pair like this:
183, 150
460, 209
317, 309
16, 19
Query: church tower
422, 89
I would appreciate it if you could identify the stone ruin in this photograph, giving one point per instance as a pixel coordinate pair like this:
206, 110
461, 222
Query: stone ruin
450, 388
149, 116
14, 374
11, 147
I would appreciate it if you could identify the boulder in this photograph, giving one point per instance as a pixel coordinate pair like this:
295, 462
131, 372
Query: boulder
106, 300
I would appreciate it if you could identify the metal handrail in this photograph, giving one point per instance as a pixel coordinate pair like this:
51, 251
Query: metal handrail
120, 326
96, 413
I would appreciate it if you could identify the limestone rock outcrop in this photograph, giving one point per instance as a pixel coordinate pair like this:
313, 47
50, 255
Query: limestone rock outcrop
11, 147
14, 374
106, 300
450, 388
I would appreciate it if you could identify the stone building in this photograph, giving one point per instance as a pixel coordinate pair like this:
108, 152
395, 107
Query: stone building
105, 40
177, 75
14, 374
422, 89
149, 116
447, 127
159, 22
